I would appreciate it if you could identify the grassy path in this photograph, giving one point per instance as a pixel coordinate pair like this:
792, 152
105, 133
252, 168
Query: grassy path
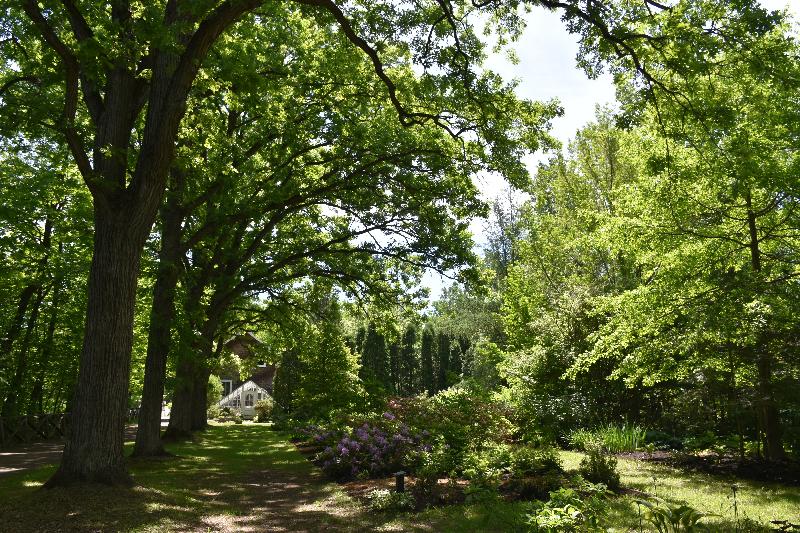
234, 478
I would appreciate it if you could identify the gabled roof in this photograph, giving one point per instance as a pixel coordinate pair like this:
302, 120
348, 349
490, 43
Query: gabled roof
264, 376
241, 390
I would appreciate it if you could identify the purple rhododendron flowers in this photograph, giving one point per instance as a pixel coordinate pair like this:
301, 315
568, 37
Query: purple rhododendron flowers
372, 449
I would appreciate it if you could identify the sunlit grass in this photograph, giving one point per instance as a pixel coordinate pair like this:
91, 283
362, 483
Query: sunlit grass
761, 502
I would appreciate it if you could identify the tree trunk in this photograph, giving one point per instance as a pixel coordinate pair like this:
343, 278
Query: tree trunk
162, 315
94, 447
770, 420
200, 400
36, 402
14, 329
773, 432
180, 417
10, 406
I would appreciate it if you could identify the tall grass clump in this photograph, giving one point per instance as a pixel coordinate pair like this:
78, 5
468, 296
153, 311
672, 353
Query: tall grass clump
613, 438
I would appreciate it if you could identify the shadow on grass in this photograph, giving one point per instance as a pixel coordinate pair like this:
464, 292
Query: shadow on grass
232, 478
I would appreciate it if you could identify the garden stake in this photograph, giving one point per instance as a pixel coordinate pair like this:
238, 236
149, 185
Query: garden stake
639, 510
734, 488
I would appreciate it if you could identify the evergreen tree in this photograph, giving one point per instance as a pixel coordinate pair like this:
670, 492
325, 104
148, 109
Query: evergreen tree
361, 334
455, 360
374, 357
427, 380
443, 360
394, 366
408, 362
287, 380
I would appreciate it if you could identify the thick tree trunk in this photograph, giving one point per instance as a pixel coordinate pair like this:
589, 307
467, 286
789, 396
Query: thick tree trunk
162, 315
200, 400
93, 451
180, 417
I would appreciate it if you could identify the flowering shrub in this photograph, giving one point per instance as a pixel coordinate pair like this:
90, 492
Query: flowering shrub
377, 446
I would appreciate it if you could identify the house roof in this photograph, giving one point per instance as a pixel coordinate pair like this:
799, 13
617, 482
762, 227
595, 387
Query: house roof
263, 377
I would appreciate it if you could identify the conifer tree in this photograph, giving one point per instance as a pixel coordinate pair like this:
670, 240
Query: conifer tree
443, 360
394, 366
408, 362
374, 357
427, 380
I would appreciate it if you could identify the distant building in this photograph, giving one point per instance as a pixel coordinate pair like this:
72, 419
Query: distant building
242, 395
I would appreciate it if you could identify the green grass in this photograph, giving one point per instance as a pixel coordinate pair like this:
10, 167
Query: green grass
231, 478
760, 502
248, 477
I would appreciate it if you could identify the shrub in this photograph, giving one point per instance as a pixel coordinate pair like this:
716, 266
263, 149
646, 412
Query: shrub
466, 417
385, 500
702, 441
662, 440
215, 390
600, 467
374, 448
568, 510
237, 418
214, 412
529, 461
673, 518
264, 409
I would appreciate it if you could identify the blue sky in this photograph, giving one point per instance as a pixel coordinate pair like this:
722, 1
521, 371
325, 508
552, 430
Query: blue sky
546, 70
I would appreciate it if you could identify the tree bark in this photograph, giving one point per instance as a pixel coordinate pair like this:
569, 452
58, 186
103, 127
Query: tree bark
162, 315
773, 432
94, 447
180, 417
200, 399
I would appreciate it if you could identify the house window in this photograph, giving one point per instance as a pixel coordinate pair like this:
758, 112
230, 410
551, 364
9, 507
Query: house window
227, 386
248, 400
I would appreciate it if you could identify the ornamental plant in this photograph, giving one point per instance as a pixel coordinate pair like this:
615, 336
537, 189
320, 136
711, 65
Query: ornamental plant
376, 447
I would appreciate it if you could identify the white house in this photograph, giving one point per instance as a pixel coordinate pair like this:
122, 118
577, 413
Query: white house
244, 397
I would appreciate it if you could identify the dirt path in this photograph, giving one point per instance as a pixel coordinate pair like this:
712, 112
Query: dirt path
36, 454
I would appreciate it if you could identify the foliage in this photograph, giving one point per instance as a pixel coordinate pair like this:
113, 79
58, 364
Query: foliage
215, 389
386, 500
673, 518
214, 412
614, 438
568, 510
264, 409
376, 447
600, 467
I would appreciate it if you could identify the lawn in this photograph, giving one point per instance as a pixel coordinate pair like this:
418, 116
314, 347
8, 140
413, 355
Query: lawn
232, 478
249, 478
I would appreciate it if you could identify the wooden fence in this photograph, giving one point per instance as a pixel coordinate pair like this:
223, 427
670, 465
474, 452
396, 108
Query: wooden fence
30, 428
